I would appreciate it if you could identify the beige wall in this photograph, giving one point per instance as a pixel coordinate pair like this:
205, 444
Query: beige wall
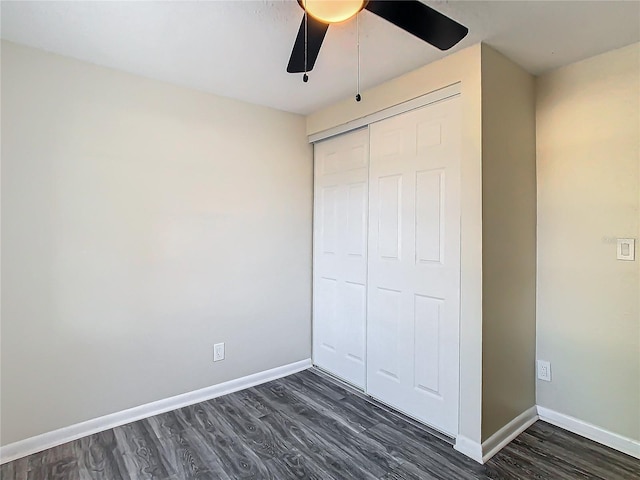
141, 224
588, 152
463, 67
508, 241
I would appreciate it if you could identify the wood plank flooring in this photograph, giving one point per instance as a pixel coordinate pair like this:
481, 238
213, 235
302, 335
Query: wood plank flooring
306, 426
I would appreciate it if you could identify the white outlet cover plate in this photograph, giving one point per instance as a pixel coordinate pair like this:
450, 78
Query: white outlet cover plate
626, 249
544, 370
218, 352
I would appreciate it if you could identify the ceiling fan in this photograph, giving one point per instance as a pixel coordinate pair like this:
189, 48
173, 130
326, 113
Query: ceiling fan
411, 15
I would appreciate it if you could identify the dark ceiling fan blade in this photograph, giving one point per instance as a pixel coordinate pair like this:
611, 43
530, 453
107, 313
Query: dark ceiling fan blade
315, 35
422, 21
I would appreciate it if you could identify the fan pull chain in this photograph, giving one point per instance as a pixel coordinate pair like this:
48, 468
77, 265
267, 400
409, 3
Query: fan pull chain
305, 77
358, 97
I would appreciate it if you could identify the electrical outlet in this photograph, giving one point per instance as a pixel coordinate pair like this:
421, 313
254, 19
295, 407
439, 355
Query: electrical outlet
544, 370
218, 352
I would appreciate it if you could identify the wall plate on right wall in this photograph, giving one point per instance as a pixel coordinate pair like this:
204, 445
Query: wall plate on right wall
626, 249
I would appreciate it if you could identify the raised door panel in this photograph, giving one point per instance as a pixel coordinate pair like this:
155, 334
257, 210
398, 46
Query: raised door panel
429, 216
390, 217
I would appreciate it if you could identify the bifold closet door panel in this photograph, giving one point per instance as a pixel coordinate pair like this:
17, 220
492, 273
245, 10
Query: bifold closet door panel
414, 263
340, 255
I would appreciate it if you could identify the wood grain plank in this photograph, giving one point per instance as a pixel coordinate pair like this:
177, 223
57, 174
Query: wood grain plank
408, 471
326, 456
235, 400
363, 451
294, 464
190, 458
100, 459
308, 406
166, 424
357, 420
61, 462
319, 385
16, 470
142, 451
237, 459
435, 461
248, 427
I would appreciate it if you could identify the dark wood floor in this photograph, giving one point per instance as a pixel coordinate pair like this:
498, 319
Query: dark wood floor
306, 426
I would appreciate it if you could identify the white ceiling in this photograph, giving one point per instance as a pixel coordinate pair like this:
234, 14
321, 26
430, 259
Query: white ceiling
240, 49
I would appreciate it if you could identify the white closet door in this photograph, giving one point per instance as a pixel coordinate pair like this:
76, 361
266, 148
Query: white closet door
340, 255
414, 263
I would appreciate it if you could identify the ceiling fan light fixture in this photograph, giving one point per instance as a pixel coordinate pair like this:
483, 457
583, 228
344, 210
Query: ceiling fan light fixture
412, 16
332, 11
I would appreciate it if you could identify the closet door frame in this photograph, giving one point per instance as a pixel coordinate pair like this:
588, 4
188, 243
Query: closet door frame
365, 121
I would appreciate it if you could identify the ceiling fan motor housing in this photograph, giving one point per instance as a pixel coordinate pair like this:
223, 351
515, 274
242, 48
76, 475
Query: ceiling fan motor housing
332, 11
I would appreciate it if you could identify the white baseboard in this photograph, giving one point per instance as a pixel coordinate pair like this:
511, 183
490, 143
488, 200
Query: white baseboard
592, 432
469, 448
481, 453
41, 442
511, 430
